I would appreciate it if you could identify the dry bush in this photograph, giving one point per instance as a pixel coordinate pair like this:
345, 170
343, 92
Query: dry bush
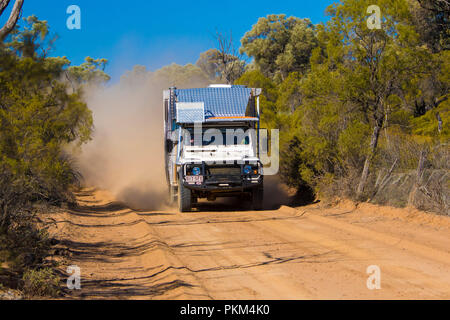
394, 179
40, 283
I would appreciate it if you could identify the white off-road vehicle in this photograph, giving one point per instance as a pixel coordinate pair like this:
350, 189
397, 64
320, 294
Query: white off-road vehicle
212, 143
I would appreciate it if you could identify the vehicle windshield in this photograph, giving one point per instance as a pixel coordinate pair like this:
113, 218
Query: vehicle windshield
218, 137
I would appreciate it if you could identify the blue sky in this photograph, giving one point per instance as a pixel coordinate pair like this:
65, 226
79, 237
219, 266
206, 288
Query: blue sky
156, 33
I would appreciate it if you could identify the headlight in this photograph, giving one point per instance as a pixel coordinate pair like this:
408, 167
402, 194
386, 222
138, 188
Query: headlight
247, 169
196, 171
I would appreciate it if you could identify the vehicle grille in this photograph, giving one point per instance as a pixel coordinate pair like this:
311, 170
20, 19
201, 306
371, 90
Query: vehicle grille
221, 174
233, 171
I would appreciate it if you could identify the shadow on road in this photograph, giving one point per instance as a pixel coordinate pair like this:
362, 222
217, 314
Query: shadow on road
276, 194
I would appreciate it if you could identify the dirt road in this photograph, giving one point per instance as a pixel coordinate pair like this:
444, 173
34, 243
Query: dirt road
219, 253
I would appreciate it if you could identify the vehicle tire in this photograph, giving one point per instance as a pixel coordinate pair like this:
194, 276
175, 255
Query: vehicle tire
184, 198
257, 198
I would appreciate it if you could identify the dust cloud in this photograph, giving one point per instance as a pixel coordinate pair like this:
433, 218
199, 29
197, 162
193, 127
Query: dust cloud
276, 193
126, 155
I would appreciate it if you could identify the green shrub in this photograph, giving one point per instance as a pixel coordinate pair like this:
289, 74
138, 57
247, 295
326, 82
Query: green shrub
40, 283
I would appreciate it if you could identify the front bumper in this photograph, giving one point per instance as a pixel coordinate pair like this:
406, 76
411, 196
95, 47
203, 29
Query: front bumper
231, 178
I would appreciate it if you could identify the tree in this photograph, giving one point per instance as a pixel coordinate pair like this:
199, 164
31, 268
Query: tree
361, 82
290, 95
210, 64
92, 71
255, 79
223, 64
176, 75
280, 45
432, 19
38, 118
137, 76
376, 68
13, 18
229, 59
33, 40
220, 66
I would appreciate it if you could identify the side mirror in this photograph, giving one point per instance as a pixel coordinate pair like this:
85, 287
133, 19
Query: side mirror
169, 146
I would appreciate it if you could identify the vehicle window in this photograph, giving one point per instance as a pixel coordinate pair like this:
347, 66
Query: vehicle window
238, 138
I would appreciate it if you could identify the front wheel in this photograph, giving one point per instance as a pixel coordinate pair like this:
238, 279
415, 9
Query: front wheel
257, 198
184, 197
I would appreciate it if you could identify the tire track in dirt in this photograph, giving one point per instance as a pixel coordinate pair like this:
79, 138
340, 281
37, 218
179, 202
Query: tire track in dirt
277, 254
121, 257
360, 258
389, 240
405, 261
398, 275
235, 263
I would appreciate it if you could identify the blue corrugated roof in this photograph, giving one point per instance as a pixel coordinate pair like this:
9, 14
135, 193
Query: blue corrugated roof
219, 102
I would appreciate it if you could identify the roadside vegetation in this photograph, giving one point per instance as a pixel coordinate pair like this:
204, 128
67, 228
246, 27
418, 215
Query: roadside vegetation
363, 114
41, 113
